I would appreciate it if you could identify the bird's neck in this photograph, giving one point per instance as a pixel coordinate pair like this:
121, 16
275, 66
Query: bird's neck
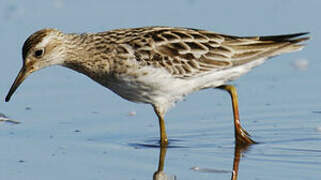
83, 56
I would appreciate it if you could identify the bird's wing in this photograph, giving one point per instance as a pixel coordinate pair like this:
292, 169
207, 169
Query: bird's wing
187, 52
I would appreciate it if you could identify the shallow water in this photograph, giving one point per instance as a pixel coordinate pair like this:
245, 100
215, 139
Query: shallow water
72, 128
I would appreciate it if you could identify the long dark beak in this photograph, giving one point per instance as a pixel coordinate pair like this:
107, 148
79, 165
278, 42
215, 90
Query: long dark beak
19, 79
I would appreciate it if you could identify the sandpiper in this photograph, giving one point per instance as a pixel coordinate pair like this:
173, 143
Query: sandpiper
156, 65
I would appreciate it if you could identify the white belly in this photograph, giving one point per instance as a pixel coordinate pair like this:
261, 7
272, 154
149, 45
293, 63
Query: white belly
156, 86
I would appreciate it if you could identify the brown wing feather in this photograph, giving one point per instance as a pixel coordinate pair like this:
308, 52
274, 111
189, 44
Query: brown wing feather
186, 52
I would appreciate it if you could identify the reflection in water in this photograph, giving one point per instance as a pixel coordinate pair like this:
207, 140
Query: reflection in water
160, 174
238, 151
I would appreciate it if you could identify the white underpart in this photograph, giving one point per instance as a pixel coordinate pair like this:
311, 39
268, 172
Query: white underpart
161, 89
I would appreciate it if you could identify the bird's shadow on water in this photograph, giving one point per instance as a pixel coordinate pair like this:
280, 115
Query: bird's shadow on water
159, 174
155, 143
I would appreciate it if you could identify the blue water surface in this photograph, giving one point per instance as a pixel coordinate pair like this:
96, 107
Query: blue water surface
73, 128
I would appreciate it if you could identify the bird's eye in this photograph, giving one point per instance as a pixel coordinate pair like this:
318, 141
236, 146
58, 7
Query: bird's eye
39, 53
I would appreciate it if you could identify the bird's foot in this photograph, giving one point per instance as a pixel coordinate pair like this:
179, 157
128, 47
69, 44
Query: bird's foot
243, 137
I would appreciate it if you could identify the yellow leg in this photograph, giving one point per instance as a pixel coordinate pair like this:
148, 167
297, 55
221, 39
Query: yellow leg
162, 129
241, 136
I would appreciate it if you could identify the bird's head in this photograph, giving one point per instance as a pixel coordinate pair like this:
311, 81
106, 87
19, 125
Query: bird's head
42, 49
